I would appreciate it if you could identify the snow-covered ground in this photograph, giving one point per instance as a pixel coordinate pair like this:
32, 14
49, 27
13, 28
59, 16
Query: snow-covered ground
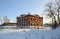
30, 34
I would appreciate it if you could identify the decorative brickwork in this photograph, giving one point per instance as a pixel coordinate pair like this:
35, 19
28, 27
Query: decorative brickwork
29, 20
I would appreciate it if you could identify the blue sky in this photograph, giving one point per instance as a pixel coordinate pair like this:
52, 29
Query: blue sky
14, 8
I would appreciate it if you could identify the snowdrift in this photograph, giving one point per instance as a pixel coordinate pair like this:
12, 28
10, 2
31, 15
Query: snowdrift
31, 34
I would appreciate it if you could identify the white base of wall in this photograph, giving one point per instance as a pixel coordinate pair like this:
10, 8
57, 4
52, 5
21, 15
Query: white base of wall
31, 27
27, 27
35, 27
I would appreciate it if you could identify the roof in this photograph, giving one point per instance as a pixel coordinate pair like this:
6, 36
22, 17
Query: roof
35, 15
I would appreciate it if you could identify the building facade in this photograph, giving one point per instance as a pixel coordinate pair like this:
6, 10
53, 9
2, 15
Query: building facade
29, 20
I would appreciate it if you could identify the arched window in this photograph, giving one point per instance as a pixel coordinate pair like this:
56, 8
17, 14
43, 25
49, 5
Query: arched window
37, 24
31, 24
31, 19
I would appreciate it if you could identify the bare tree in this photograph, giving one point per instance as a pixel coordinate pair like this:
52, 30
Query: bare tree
50, 12
57, 9
53, 10
6, 19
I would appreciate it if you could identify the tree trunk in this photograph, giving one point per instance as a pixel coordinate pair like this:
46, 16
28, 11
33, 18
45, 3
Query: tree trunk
58, 16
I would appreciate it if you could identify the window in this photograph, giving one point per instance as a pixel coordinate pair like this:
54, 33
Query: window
34, 24
20, 24
31, 24
37, 24
19, 20
34, 19
37, 19
31, 19
26, 20
22, 19
24, 24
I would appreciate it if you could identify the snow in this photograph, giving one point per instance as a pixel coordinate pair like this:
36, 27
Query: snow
30, 34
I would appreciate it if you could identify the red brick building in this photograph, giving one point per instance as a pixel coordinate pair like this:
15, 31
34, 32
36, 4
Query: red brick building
29, 20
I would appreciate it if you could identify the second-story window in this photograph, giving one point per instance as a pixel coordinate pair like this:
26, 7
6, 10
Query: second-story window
37, 24
31, 19
31, 24
26, 20
37, 19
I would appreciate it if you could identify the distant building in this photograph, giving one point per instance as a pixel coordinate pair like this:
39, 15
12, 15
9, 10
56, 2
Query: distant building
9, 24
30, 20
